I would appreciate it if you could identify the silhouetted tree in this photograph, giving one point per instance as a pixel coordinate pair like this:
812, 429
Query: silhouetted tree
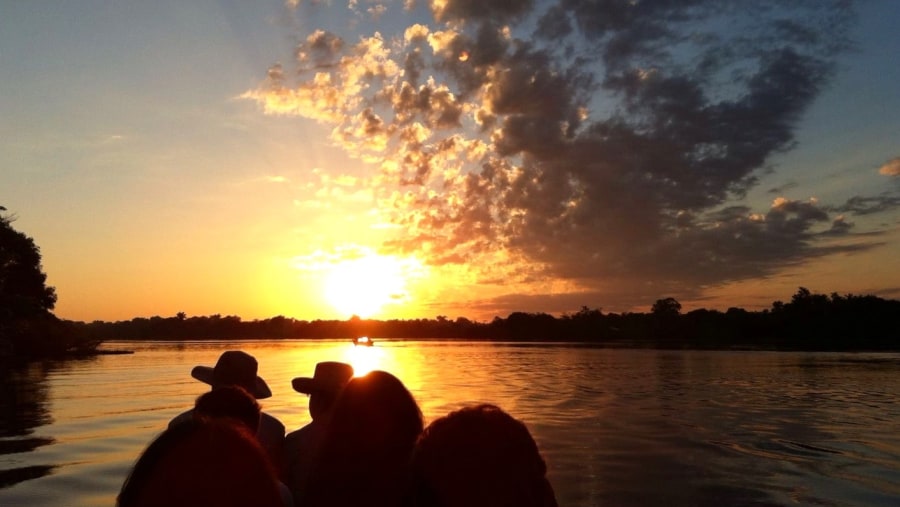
666, 323
23, 287
668, 307
27, 324
586, 325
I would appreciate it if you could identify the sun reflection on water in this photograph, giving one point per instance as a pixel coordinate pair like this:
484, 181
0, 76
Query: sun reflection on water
394, 357
364, 359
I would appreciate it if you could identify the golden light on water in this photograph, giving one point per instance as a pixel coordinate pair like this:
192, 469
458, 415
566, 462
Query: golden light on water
364, 359
394, 357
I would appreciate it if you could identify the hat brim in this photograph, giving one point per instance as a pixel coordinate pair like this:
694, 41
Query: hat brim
305, 385
205, 374
308, 385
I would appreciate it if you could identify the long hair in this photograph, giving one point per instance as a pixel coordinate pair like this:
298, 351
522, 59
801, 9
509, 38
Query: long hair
479, 456
364, 458
202, 462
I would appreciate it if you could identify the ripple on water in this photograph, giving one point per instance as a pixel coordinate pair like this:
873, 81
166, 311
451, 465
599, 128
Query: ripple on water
616, 427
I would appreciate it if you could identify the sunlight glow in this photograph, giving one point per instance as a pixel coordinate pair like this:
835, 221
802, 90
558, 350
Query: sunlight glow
364, 285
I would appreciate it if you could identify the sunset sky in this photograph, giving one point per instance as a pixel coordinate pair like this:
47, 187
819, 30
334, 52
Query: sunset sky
454, 157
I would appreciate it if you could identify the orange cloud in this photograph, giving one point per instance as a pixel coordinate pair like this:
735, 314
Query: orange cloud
891, 168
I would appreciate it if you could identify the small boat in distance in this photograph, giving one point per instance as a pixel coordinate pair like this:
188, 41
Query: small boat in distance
364, 341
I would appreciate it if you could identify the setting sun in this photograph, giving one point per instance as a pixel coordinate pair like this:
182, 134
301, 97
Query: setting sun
363, 286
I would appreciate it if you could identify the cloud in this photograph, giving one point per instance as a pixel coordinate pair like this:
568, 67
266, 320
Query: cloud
320, 49
891, 167
593, 143
783, 188
113, 138
867, 205
376, 11
839, 227
468, 10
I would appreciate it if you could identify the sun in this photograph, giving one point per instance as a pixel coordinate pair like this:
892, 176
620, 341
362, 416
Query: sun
364, 285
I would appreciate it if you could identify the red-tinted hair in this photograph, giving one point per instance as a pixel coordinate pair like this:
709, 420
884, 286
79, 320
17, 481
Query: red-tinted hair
202, 462
369, 439
479, 456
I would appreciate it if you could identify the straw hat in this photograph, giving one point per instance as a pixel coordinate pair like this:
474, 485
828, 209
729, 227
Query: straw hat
329, 376
234, 367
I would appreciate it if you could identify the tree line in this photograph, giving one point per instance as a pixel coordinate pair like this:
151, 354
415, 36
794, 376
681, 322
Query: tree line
807, 322
28, 327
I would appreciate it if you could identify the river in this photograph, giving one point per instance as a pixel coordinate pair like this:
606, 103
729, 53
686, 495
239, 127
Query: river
616, 427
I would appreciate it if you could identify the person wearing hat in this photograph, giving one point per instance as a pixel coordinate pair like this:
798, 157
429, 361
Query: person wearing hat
238, 368
301, 445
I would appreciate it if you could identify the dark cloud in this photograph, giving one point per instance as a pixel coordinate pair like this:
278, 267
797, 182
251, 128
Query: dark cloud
320, 50
554, 24
839, 227
499, 11
780, 190
607, 141
861, 205
610, 197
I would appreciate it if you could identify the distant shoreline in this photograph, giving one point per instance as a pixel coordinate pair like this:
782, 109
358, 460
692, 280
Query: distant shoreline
808, 322
113, 352
519, 343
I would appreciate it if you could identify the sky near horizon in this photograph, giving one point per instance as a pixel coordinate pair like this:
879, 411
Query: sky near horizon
455, 157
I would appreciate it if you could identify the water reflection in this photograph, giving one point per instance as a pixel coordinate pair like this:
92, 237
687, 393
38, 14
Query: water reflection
23, 408
23, 444
23, 399
17, 475
616, 427
364, 359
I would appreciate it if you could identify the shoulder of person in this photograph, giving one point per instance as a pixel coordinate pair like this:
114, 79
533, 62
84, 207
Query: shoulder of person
271, 423
182, 417
301, 433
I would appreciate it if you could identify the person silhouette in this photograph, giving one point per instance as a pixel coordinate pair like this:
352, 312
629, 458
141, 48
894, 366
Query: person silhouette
478, 456
368, 441
202, 461
301, 446
238, 368
235, 404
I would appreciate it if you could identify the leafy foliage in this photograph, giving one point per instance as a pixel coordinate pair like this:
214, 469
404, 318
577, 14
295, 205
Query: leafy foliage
28, 327
23, 288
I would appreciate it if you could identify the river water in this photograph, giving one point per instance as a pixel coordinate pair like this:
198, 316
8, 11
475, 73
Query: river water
616, 427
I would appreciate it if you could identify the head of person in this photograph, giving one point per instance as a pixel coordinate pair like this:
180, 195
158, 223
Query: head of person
376, 410
202, 462
324, 386
232, 402
368, 442
234, 368
479, 456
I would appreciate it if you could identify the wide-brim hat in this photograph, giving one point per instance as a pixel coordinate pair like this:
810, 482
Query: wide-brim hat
234, 368
330, 376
